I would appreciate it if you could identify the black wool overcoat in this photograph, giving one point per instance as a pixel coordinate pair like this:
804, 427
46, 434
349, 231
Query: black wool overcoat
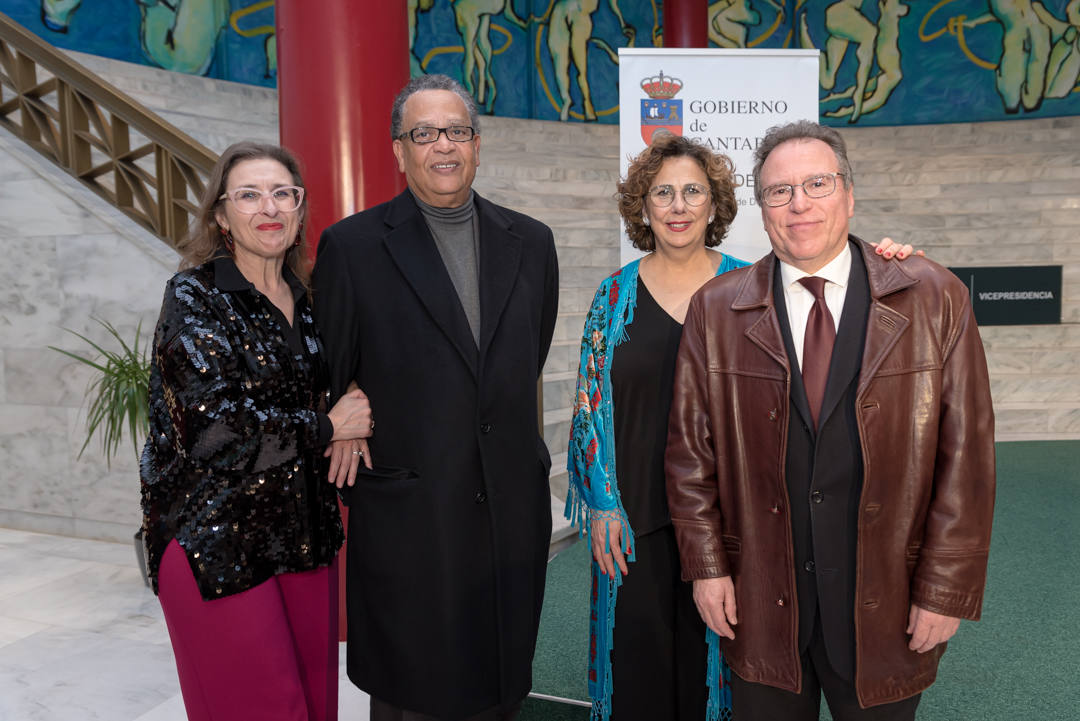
448, 534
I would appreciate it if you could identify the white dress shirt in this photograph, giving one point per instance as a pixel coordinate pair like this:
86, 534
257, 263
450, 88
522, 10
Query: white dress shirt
800, 300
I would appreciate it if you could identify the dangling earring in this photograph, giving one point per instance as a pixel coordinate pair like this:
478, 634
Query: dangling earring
711, 219
227, 238
645, 220
299, 234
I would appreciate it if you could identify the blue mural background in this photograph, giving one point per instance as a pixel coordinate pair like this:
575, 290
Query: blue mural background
229, 37
884, 62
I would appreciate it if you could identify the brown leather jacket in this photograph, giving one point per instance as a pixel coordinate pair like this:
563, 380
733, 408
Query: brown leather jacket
926, 428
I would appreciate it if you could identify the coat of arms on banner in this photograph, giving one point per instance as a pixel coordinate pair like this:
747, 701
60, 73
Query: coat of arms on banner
660, 109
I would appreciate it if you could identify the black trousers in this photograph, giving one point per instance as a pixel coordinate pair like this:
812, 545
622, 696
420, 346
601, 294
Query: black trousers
758, 702
658, 657
382, 711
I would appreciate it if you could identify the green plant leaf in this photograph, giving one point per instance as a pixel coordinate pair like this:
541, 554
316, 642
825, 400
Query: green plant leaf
118, 395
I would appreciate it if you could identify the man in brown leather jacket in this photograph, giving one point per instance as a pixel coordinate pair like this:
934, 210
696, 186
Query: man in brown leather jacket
830, 460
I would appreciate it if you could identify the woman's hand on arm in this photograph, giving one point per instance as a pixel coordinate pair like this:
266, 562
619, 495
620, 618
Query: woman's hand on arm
353, 424
351, 416
345, 457
888, 248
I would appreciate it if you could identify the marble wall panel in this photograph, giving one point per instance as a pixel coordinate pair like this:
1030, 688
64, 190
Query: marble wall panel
1020, 421
1035, 390
35, 472
44, 377
30, 299
108, 277
1065, 420
32, 207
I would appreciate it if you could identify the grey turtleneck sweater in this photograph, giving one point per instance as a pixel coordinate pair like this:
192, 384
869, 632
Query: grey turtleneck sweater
457, 236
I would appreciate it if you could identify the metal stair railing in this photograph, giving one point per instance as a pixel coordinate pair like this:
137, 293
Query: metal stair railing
129, 156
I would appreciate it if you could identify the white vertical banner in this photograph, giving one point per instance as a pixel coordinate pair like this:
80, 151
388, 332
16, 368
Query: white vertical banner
725, 98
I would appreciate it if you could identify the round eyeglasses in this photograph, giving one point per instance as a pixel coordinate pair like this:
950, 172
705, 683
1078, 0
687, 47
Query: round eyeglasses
425, 134
693, 194
251, 200
818, 186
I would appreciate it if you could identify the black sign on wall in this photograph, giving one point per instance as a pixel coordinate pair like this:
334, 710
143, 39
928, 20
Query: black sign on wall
1017, 295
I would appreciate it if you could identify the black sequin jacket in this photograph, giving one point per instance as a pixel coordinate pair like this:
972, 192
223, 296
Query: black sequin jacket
233, 467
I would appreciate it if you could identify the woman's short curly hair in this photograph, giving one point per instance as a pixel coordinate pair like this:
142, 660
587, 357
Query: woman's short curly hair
646, 166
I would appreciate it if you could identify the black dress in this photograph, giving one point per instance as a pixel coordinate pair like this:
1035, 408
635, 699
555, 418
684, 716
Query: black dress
658, 652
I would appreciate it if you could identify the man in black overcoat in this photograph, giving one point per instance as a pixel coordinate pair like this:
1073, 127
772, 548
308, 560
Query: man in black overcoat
440, 306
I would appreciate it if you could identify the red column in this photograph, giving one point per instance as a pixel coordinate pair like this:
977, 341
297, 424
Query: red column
685, 24
339, 68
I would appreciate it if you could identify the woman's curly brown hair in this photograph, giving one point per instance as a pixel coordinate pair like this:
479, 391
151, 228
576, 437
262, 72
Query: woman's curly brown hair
646, 166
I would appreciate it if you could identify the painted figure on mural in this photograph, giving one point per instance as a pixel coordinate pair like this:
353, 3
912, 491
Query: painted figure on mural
887, 54
1063, 68
1040, 54
182, 35
416, 7
845, 24
56, 14
730, 22
570, 30
473, 20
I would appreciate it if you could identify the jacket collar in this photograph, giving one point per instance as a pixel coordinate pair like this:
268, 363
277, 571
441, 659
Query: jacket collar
884, 278
227, 277
408, 241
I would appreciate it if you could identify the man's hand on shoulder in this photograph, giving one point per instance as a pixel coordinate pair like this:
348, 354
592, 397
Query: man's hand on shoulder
715, 599
887, 248
928, 629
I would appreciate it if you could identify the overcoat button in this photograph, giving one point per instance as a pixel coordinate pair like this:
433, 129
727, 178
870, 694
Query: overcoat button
780, 602
773, 414
480, 497
809, 566
817, 496
774, 509
485, 428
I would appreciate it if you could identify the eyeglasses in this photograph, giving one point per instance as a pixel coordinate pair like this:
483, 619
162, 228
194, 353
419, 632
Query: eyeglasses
693, 194
424, 134
818, 186
251, 200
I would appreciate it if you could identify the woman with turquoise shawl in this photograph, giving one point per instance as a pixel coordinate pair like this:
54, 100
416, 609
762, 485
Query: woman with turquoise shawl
677, 202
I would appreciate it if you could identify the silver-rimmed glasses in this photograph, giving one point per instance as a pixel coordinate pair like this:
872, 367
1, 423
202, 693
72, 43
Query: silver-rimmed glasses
818, 186
250, 200
693, 194
425, 134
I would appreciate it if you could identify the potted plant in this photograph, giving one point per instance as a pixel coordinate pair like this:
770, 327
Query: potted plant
117, 398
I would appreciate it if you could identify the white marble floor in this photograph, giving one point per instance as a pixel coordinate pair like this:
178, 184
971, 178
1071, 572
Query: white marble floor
82, 639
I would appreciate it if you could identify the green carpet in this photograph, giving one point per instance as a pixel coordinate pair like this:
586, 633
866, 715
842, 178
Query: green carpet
1019, 663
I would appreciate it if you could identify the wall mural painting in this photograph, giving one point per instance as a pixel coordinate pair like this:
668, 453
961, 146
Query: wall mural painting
548, 59
892, 62
883, 62
228, 39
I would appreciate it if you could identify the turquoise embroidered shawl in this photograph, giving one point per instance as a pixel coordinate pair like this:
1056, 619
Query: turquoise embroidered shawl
593, 491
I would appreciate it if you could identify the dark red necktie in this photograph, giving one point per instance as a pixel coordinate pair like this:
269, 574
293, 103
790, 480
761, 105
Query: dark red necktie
817, 346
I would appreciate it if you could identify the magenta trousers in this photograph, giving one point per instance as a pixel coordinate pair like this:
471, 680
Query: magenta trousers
265, 654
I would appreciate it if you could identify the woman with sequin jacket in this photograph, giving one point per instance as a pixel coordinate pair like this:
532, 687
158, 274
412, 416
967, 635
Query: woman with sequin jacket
240, 514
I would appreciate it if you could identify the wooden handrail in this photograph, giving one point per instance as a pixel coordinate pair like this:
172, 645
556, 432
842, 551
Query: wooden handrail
141, 164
